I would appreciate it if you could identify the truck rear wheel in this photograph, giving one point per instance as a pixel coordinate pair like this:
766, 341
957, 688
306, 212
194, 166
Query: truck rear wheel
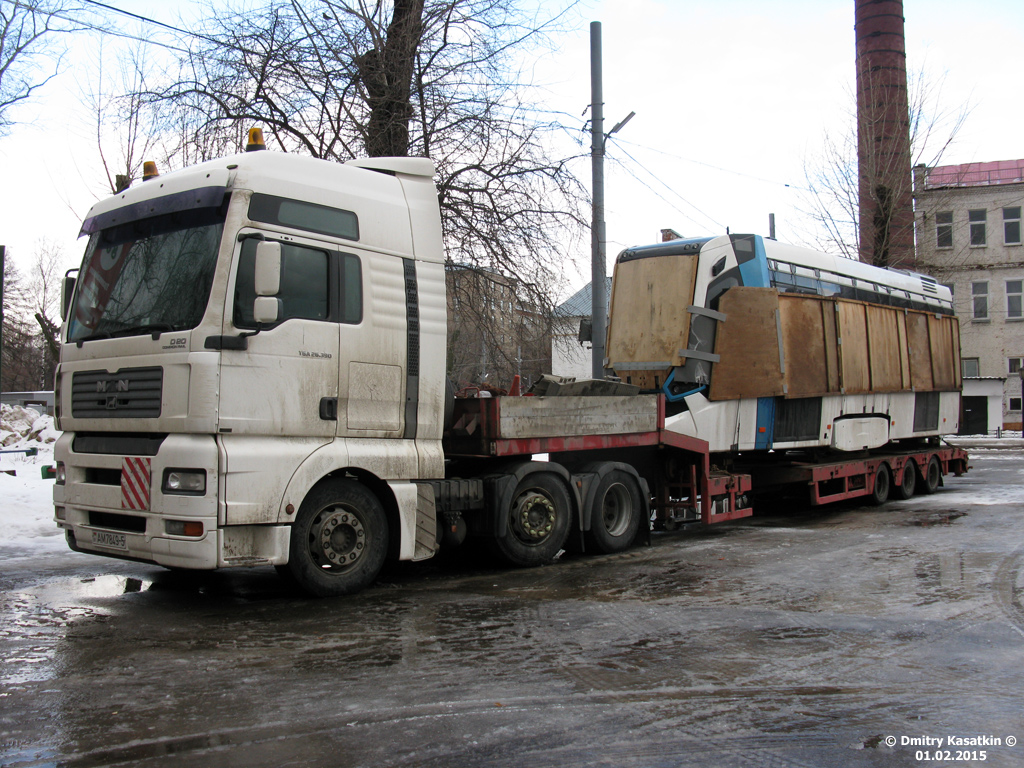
538, 521
339, 539
615, 515
907, 488
932, 476
883, 481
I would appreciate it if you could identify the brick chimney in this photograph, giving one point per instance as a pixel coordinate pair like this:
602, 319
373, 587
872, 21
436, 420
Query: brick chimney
883, 136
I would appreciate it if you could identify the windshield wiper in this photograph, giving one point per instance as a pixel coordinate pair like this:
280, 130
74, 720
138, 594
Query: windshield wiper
94, 337
154, 329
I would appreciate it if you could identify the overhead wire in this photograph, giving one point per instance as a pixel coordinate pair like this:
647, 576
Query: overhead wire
675, 192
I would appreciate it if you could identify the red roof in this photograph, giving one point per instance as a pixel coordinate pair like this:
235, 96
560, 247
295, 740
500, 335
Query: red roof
975, 174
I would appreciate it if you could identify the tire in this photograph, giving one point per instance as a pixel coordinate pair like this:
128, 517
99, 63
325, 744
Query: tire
539, 518
615, 514
932, 476
883, 482
908, 487
339, 539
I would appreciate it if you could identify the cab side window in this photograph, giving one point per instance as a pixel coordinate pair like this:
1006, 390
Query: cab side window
306, 285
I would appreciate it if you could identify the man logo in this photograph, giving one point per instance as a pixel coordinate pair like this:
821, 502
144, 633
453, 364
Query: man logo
121, 385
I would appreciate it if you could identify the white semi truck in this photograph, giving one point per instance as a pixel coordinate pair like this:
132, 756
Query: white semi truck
253, 373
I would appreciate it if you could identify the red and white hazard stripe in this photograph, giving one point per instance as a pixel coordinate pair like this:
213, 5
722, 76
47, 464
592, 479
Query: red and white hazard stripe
136, 473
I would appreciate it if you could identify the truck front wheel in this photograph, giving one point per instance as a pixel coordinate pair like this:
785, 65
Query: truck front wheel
616, 513
339, 539
538, 521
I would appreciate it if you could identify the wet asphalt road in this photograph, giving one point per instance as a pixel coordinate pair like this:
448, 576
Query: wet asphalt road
802, 640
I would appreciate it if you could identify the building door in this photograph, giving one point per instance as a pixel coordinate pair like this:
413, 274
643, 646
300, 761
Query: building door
975, 418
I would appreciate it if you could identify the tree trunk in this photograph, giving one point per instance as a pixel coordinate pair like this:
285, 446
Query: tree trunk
387, 77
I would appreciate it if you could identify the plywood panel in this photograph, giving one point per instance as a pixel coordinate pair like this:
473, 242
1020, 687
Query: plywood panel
957, 364
883, 349
829, 320
853, 348
920, 352
649, 318
803, 341
748, 344
940, 334
901, 328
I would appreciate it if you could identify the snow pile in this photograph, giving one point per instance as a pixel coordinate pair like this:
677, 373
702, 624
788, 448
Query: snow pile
26, 499
24, 427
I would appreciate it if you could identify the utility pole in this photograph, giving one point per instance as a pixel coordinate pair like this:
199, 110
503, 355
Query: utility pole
598, 293
598, 138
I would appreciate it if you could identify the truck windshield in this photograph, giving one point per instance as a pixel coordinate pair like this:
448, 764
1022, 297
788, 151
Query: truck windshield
147, 276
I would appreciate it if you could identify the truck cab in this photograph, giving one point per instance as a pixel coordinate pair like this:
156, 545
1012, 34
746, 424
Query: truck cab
241, 333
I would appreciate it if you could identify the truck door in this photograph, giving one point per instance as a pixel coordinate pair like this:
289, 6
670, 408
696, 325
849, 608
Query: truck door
285, 383
375, 346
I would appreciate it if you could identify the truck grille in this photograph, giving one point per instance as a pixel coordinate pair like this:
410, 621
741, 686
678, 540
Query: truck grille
131, 393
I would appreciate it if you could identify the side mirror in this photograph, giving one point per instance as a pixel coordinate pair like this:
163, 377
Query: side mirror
266, 310
268, 268
67, 290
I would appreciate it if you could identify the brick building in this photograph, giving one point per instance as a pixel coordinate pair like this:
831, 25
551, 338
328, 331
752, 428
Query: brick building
969, 236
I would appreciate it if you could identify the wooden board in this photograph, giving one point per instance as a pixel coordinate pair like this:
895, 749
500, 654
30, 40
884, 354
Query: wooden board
901, 329
748, 345
804, 341
853, 349
649, 317
884, 349
920, 352
940, 337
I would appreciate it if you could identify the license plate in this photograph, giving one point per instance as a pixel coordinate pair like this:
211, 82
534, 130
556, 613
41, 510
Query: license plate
110, 540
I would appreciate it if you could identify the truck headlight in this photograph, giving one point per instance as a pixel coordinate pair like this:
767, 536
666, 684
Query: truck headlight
60, 473
187, 482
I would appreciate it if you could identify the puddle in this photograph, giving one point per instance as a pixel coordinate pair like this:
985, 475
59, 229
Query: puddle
937, 517
105, 586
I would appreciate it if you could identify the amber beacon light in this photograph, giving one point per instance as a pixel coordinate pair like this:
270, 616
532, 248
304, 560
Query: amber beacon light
256, 142
149, 170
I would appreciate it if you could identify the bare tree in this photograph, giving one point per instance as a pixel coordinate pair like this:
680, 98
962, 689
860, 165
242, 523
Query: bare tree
832, 201
31, 49
445, 79
124, 122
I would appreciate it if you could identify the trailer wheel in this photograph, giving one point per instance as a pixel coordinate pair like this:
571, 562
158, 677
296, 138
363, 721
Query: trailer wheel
883, 481
932, 476
538, 521
339, 539
906, 489
615, 514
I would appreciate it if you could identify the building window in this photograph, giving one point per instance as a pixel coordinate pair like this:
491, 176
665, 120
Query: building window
970, 368
979, 293
1014, 295
977, 221
1013, 364
944, 229
1011, 225
1015, 403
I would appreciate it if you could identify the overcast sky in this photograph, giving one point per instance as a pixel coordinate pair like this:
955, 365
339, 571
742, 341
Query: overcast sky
732, 98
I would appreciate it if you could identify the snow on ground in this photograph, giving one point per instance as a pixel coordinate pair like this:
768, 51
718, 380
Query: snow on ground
26, 499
